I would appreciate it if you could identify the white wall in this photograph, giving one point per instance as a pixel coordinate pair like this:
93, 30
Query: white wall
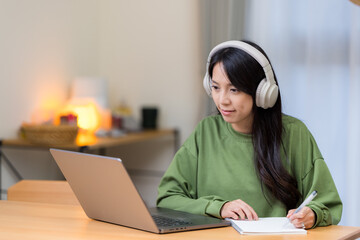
43, 45
149, 51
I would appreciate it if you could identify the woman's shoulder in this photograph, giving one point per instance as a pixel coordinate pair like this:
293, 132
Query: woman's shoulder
296, 129
211, 125
205, 131
292, 123
211, 120
299, 144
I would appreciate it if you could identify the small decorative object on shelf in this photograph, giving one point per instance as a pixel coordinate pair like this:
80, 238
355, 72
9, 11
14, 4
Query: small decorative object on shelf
69, 119
49, 134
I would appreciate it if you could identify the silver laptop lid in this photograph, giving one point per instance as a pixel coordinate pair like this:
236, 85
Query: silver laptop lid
95, 181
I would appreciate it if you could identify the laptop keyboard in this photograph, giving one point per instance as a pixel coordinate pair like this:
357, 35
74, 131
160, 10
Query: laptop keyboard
165, 221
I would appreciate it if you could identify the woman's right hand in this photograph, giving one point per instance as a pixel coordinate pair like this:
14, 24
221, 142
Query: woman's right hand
238, 209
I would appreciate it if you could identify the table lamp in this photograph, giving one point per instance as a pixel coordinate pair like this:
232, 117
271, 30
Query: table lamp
88, 101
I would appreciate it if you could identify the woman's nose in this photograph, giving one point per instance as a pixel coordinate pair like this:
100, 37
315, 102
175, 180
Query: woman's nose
224, 98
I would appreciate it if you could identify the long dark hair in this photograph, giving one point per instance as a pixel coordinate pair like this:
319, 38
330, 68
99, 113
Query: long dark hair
245, 73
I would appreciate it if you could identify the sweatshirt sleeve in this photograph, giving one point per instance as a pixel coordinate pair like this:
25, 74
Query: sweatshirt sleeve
312, 174
178, 187
327, 204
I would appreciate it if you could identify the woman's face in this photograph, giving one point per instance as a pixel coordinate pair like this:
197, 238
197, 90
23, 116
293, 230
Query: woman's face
235, 106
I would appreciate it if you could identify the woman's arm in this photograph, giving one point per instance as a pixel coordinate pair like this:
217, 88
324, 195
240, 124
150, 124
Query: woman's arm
311, 172
178, 187
327, 205
326, 208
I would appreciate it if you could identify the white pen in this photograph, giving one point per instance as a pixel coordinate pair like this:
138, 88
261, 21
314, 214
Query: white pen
306, 202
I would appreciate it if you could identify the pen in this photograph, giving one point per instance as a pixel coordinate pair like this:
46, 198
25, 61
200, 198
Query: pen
306, 202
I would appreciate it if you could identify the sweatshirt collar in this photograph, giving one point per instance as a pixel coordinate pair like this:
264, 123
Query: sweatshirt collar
239, 136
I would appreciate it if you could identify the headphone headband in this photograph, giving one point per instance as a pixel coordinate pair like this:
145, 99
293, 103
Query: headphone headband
267, 92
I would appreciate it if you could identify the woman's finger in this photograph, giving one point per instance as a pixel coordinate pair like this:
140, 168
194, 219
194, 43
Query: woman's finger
249, 211
240, 212
251, 214
238, 209
233, 215
290, 212
304, 218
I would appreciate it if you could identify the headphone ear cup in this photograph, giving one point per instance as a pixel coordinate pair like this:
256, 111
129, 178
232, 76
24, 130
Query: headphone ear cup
266, 94
272, 95
207, 84
260, 96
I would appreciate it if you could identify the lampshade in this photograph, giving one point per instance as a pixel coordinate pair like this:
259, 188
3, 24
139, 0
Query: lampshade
93, 88
88, 101
88, 116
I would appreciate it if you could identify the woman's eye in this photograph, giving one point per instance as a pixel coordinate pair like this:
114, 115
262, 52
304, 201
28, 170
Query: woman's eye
215, 87
233, 90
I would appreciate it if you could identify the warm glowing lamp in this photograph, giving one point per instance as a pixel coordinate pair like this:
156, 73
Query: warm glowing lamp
88, 101
88, 116
93, 88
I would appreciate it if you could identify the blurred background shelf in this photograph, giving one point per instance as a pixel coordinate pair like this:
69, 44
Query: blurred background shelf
24, 158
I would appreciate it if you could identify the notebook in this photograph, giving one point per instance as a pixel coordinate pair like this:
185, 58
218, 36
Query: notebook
106, 192
266, 226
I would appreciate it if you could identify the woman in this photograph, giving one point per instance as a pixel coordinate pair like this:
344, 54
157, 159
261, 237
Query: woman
251, 160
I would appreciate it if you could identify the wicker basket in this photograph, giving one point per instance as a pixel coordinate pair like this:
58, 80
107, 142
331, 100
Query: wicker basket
49, 134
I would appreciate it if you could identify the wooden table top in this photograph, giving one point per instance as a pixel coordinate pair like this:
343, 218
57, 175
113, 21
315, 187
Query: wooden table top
27, 220
93, 142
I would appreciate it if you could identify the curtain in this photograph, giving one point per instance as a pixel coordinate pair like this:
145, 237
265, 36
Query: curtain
221, 21
314, 47
353, 124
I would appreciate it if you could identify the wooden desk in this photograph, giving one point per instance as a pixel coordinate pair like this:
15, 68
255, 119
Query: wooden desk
42, 191
86, 143
95, 143
24, 220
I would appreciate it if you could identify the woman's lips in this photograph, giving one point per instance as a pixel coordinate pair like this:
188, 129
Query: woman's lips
226, 112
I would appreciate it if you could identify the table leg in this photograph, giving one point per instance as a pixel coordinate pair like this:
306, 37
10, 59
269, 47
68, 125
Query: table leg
0, 169
176, 140
12, 168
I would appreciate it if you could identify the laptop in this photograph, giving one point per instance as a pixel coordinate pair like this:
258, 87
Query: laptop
106, 193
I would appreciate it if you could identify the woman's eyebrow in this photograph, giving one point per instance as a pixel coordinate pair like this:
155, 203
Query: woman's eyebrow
214, 81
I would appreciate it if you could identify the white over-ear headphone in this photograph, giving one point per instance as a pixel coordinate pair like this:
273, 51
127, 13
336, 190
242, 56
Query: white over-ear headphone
267, 91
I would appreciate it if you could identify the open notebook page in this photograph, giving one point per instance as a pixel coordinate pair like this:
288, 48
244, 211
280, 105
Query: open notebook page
270, 225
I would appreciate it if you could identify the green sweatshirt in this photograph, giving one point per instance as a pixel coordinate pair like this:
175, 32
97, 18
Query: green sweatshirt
215, 165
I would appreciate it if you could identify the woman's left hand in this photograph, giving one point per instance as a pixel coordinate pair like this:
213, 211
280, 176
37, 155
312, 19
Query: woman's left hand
305, 218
